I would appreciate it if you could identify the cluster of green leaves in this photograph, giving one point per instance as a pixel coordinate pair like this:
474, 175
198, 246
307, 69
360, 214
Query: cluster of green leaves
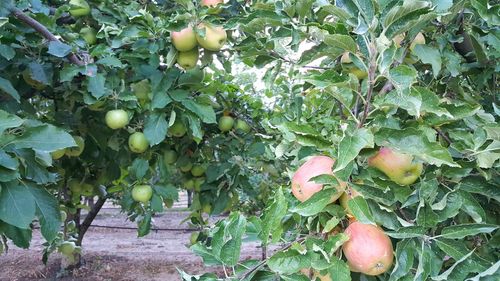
434, 101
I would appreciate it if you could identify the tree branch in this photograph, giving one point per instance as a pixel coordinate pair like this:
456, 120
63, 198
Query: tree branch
43, 31
89, 218
371, 84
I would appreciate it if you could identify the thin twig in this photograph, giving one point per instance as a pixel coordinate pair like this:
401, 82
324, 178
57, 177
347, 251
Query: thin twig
371, 84
445, 137
43, 31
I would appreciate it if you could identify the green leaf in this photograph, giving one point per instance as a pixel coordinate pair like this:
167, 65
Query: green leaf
7, 87
446, 274
351, 145
472, 207
493, 270
463, 230
17, 205
480, 186
59, 49
316, 203
47, 212
8, 121
166, 191
400, 18
414, 142
7, 52
139, 168
360, 210
156, 127
96, 85
339, 269
288, 262
343, 42
234, 230
272, 218
402, 77
144, 225
404, 258
204, 111
20, 237
429, 55
110, 62
408, 232
208, 257
46, 138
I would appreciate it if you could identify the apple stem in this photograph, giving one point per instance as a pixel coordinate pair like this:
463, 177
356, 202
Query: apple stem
43, 31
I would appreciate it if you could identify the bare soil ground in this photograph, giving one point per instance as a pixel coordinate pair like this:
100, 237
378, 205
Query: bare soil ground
117, 254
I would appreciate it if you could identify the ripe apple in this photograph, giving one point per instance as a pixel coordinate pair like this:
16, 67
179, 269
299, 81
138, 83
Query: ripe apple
89, 35
67, 248
303, 188
214, 39
79, 8
57, 154
184, 40
242, 126
188, 59
169, 157
142, 193
87, 189
397, 166
211, 3
368, 250
141, 89
186, 167
116, 119
76, 150
226, 123
349, 194
137, 142
178, 129
197, 170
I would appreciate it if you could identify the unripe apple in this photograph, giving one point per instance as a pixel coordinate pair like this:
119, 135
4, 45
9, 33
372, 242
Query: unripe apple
368, 250
57, 154
397, 166
137, 142
303, 188
116, 119
75, 187
214, 39
226, 123
67, 248
193, 238
197, 170
64, 215
184, 40
349, 194
198, 182
186, 167
87, 189
211, 3
169, 157
178, 129
242, 126
89, 35
79, 8
142, 193
206, 208
347, 62
189, 184
78, 149
187, 60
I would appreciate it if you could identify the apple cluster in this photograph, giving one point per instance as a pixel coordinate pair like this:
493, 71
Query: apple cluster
208, 36
369, 250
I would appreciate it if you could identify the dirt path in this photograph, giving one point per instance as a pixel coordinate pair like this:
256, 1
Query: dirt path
117, 254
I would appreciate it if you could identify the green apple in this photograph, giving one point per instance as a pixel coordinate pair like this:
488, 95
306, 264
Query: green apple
184, 40
198, 182
142, 193
189, 184
116, 119
87, 189
137, 142
31, 81
214, 39
169, 157
193, 238
79, 8
242, 126
75, 187
198, 170
64, 215
57, 154
78, 149
187, 60
67, 248
89, 35
186, 167
178, 129
141, 89
399, 167
226, 123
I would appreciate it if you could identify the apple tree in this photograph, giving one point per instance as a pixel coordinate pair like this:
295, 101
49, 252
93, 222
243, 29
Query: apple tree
387, 113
